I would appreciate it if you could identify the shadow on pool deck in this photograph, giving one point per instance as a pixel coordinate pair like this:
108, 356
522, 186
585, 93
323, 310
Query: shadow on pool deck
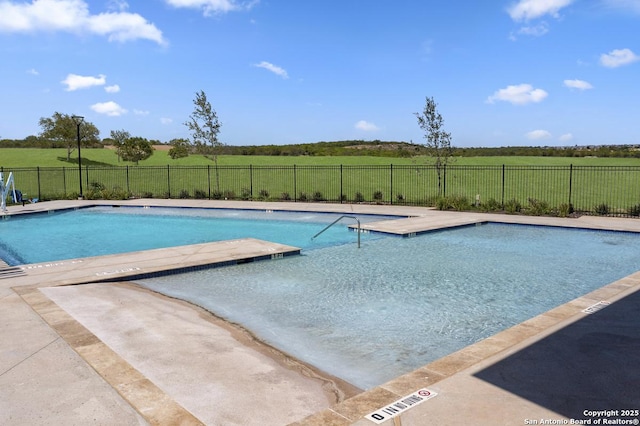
591, 364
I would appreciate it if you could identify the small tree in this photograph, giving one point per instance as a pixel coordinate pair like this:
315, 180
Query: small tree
61, 128
438, 142
179, 148
119, 138
136, 149
204, 126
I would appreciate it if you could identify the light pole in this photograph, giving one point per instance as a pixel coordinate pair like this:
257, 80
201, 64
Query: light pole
78, 120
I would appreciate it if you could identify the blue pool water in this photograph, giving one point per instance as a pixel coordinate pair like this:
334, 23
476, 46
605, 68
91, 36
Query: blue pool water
372, 314
99, 231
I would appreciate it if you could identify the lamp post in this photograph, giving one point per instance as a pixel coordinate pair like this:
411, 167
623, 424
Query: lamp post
78, 120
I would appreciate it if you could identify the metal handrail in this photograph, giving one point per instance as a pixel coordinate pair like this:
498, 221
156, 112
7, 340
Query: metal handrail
336, 221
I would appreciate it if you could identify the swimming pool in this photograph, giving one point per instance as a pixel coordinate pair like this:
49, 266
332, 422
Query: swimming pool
370, 315
97, 231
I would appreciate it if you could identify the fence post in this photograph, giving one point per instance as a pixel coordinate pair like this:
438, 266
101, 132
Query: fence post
295, 184
502, 186
570, 183
86, 175
444, 181
168, 183
128, 186
341, 193
251, 181
209, 179
38, 173
391, 183
64, 180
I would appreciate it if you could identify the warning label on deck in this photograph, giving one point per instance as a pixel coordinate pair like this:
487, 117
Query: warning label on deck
400, 406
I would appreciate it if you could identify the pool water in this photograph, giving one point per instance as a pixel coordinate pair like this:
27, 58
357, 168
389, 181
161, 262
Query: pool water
372, 314
100, 231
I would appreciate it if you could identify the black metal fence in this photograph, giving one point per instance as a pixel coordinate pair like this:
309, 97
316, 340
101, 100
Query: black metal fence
588, 189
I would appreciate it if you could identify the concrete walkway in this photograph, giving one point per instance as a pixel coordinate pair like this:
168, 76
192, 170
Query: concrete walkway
113, 353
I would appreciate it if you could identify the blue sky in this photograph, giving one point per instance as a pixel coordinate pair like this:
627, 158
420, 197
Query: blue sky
527, 72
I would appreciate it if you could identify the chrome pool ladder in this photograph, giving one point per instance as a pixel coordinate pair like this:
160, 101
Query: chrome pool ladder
336, 221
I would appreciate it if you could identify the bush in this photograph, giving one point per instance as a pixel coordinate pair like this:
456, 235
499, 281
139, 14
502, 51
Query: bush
285, 196
303, 196
400, 198
358, 198
512, 206
564, 210
378, 196
146, 194
460, 203
199, 194
245, 194
634, 210
263, 194
229, 194
492, 205
343, 198
317, 196
538, 208
217, 194
183, 194
602, 209
442, 203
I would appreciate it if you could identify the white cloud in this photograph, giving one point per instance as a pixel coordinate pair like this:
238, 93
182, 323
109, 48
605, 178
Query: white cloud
73, 16
33, 71
75, 82
566, 137
140, 112
578, 84
165, 120
520, 94
366, 126
624, 5
110, 108
618, 57
273, 68
525, 10
210, 7
112, 89
536, 30
538, 135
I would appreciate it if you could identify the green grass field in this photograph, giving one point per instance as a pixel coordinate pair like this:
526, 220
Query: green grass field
586, 183
33, 157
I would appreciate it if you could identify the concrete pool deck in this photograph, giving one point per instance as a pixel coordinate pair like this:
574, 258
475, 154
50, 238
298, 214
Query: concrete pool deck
78, 354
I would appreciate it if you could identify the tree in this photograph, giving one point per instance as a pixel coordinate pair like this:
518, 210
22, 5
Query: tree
136, 149
62, 129
438, 142
119, 138
204, 126
179, 148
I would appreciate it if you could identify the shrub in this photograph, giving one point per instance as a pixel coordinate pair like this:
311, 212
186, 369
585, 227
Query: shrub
263, 194
146, 194
229, 194
602, 209
492, 205
634, 210
442, 203
317, 196
565, 209
400, 198
285, 196
343, 198
460, 203
358, 198
217, 194
183, 194
303, 196
245, 194
512, 206
377, 196
199, 194
537, 208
